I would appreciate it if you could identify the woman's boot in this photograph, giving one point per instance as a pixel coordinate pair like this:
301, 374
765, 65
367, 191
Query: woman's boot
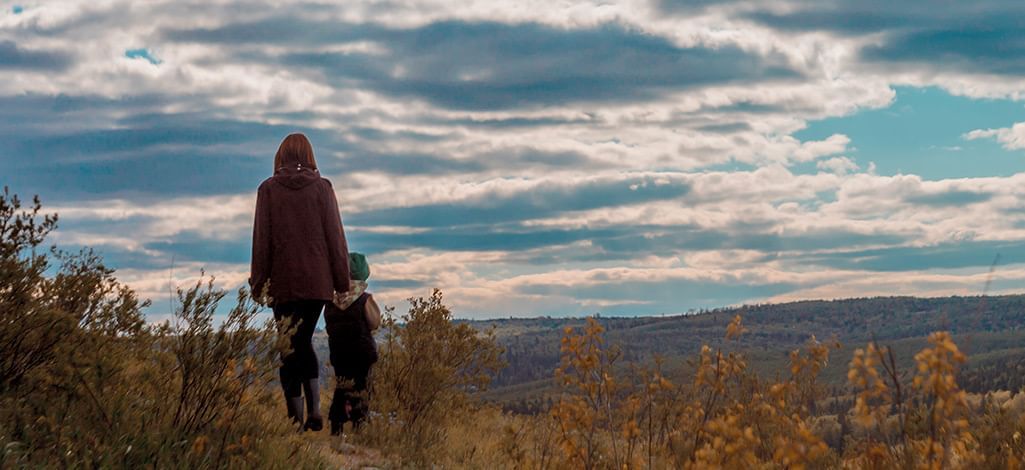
295, 409
293, 401
314, 422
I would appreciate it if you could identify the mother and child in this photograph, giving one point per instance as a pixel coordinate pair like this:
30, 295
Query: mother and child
301, 265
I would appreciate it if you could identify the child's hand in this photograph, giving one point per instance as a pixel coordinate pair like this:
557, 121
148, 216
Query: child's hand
343, 300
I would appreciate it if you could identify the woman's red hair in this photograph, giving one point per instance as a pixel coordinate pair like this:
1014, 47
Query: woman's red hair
295, 149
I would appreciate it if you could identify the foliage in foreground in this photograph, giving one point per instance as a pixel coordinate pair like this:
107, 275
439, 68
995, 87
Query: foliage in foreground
725, 417
84, 382
426, 381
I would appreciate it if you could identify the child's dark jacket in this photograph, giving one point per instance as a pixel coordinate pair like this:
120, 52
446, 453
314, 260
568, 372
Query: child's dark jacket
352, 345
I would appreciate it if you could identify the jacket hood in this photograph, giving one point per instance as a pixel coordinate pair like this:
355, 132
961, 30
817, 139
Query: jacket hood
295, 177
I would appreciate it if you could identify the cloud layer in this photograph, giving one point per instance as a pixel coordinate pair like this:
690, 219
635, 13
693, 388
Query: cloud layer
530, 158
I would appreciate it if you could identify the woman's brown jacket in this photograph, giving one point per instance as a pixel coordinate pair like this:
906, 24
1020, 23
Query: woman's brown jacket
298, 241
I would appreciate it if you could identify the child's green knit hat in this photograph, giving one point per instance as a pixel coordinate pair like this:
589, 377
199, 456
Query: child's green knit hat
359, 270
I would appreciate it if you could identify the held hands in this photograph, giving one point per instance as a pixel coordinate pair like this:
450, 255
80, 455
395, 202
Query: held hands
356, 289
343, 300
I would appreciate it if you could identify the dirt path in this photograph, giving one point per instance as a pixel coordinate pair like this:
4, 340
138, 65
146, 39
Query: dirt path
340, 454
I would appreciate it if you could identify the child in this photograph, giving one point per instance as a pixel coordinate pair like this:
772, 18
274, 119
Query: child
351, 341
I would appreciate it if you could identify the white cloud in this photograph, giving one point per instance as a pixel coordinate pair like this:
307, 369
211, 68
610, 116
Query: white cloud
1011, 138
838, 165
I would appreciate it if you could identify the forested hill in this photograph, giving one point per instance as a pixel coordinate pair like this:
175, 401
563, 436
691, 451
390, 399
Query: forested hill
991, 330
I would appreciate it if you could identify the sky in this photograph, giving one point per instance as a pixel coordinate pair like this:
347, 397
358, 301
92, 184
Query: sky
563, 158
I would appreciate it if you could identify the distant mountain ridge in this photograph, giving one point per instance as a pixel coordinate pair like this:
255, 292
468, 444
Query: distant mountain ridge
990, 329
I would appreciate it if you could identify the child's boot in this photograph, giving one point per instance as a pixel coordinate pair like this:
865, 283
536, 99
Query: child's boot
336, 414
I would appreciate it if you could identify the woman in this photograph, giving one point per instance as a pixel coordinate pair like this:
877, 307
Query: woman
300, 259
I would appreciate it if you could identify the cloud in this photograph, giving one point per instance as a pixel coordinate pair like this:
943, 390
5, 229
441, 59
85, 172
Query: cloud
190, 153
69, 147
532, 202
13, 57
506, 159
190, 246
690, 6
965, 254
949, 198
727, 128
990, 44
511, 122
905, 283
529, 157
1011, 138
656, 296
982, 37
840, 17
838, 165
491, 65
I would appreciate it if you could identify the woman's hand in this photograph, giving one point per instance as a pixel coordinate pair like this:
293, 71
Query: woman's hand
262, 296
343, 300
265, 300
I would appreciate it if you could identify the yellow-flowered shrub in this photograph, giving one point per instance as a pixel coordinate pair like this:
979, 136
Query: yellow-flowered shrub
725, 416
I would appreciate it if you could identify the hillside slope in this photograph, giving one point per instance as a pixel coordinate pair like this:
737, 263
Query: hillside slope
990, 329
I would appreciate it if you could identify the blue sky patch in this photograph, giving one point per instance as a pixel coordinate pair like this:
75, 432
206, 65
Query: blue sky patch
144, 54
922, 132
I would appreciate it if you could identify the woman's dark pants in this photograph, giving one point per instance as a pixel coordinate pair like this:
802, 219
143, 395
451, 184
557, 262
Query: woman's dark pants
301, 364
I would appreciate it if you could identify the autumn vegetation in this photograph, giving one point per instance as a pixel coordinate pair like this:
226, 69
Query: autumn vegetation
86, 382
